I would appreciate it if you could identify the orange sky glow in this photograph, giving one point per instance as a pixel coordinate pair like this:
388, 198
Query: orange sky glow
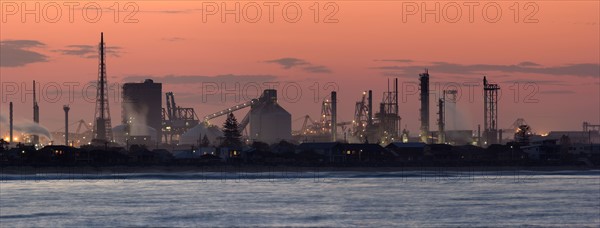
546, 59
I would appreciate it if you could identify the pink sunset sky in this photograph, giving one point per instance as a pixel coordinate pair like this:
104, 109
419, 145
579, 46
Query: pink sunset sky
548, 68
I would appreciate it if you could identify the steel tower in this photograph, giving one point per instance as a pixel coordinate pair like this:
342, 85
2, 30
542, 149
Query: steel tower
102, 125
490, 112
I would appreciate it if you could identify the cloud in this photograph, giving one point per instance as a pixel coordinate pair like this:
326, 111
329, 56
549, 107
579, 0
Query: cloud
557, 92
579, 69
22, 43
585, 23
89, 51
528, 64
172, 11
317, 69
17, 53
539, 82
289, 63
172, 39
394, 60
191, 79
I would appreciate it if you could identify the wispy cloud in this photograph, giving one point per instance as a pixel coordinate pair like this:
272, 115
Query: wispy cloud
539, 82
89, 51
557, 92
289, 63
190, 79
578, 69
171, 11
17, 53
394, 60
528, 64
172, 39
317, 69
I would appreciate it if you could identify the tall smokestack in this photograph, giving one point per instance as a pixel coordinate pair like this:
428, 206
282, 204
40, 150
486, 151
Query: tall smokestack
370, 113
66, 108
441, 122
396, 104
479, 134
333, 116
485, 106
424, 87
11, 120
36, 114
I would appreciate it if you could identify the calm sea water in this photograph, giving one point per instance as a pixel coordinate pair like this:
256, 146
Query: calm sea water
337, 199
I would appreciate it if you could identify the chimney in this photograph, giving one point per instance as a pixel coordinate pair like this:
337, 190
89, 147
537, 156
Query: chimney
333, 116
66, 108
479, 135
36, 114
11, 121
370, 113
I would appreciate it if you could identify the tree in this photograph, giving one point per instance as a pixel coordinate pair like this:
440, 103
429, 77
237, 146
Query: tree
205, 141
231, 133
261, 146
3, 144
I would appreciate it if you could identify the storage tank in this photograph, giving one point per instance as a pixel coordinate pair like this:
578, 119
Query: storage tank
269, 122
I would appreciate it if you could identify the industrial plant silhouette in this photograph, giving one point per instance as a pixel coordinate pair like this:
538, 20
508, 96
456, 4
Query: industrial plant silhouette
151, 134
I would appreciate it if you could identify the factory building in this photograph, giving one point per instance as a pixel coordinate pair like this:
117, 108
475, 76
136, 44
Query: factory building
141, 109
580, 137
269, 122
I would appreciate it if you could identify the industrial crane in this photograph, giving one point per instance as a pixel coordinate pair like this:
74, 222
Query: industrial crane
78, 137
177, 120
361, 113
80, 123
230, 110
84, 124
245, 120
305, 124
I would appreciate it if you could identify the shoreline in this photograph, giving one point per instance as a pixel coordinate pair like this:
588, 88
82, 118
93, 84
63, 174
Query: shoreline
30, 170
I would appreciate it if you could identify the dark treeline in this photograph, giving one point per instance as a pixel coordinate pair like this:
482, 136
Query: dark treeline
305, 154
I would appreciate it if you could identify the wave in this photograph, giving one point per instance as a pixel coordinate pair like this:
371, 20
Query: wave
33, 215
286, 175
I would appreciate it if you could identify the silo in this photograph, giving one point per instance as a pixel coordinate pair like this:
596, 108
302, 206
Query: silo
269, 122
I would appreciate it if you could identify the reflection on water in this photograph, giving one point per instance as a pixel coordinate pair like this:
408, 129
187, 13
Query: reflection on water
280, 198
